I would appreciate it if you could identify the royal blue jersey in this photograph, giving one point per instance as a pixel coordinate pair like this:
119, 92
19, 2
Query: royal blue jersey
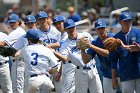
105, 65
129, 62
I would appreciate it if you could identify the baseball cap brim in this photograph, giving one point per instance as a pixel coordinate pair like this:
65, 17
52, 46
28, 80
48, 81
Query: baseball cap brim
58, 21
30, 22
127, 19
42, 17
100, 27
70, 26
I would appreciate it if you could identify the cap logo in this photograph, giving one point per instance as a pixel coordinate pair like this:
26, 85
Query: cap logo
56, 18
10, 17
99, 23
40, 14
29, 18
126, 15
69, 22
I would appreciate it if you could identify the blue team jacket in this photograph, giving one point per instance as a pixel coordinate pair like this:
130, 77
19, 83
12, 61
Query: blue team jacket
105, 65
129, 62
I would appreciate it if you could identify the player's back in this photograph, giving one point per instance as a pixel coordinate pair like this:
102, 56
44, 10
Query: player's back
37, 58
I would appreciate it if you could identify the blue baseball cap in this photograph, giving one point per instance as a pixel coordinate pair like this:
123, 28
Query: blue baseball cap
58, 18
69, 23
30, 19
13, 18
41, 14
100, 23
33, 34
125, 16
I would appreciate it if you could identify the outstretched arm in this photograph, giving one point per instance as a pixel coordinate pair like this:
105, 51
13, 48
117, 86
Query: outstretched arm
54, 45
3, 43
98, 50
85, 57
59, 56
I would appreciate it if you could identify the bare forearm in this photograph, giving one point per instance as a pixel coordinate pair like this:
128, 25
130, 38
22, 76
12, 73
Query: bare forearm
2, 43
114, 73
100, 51
85, 57
59, 56
54, 45
53, 70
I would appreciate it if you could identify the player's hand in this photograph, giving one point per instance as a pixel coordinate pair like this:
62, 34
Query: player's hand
58, 76
49, 46
114, 82
18, 53
134, 48
82, 43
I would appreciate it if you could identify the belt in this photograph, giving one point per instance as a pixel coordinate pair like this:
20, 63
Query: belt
35, 75
4, 63
67, 62
86, 68
13, 60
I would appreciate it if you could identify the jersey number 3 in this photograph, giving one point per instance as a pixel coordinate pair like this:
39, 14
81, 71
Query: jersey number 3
34, 61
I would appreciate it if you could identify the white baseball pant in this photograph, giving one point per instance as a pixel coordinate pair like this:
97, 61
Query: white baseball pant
107, 85
86, 79
57, 85
17, 75
40, 83
131, 86
68, 78
5, 79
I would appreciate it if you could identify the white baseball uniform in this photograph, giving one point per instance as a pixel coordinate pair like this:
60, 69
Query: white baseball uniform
60, 85
5, 79
18, 45
38, 59
52, 35
86, 75
68, 72
17, 71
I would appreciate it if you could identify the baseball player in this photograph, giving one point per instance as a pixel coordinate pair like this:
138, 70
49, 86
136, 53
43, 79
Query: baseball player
5, 79
67, 69
30, 22
17, 71
97, 47
38, 60
86, 75
51, 36
128, 61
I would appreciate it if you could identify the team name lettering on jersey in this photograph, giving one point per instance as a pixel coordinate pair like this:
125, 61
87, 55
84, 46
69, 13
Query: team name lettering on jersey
74, 49
51, 40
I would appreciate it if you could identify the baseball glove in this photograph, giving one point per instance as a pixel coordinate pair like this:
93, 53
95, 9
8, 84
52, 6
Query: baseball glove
81, 43
111, 43
7, 51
